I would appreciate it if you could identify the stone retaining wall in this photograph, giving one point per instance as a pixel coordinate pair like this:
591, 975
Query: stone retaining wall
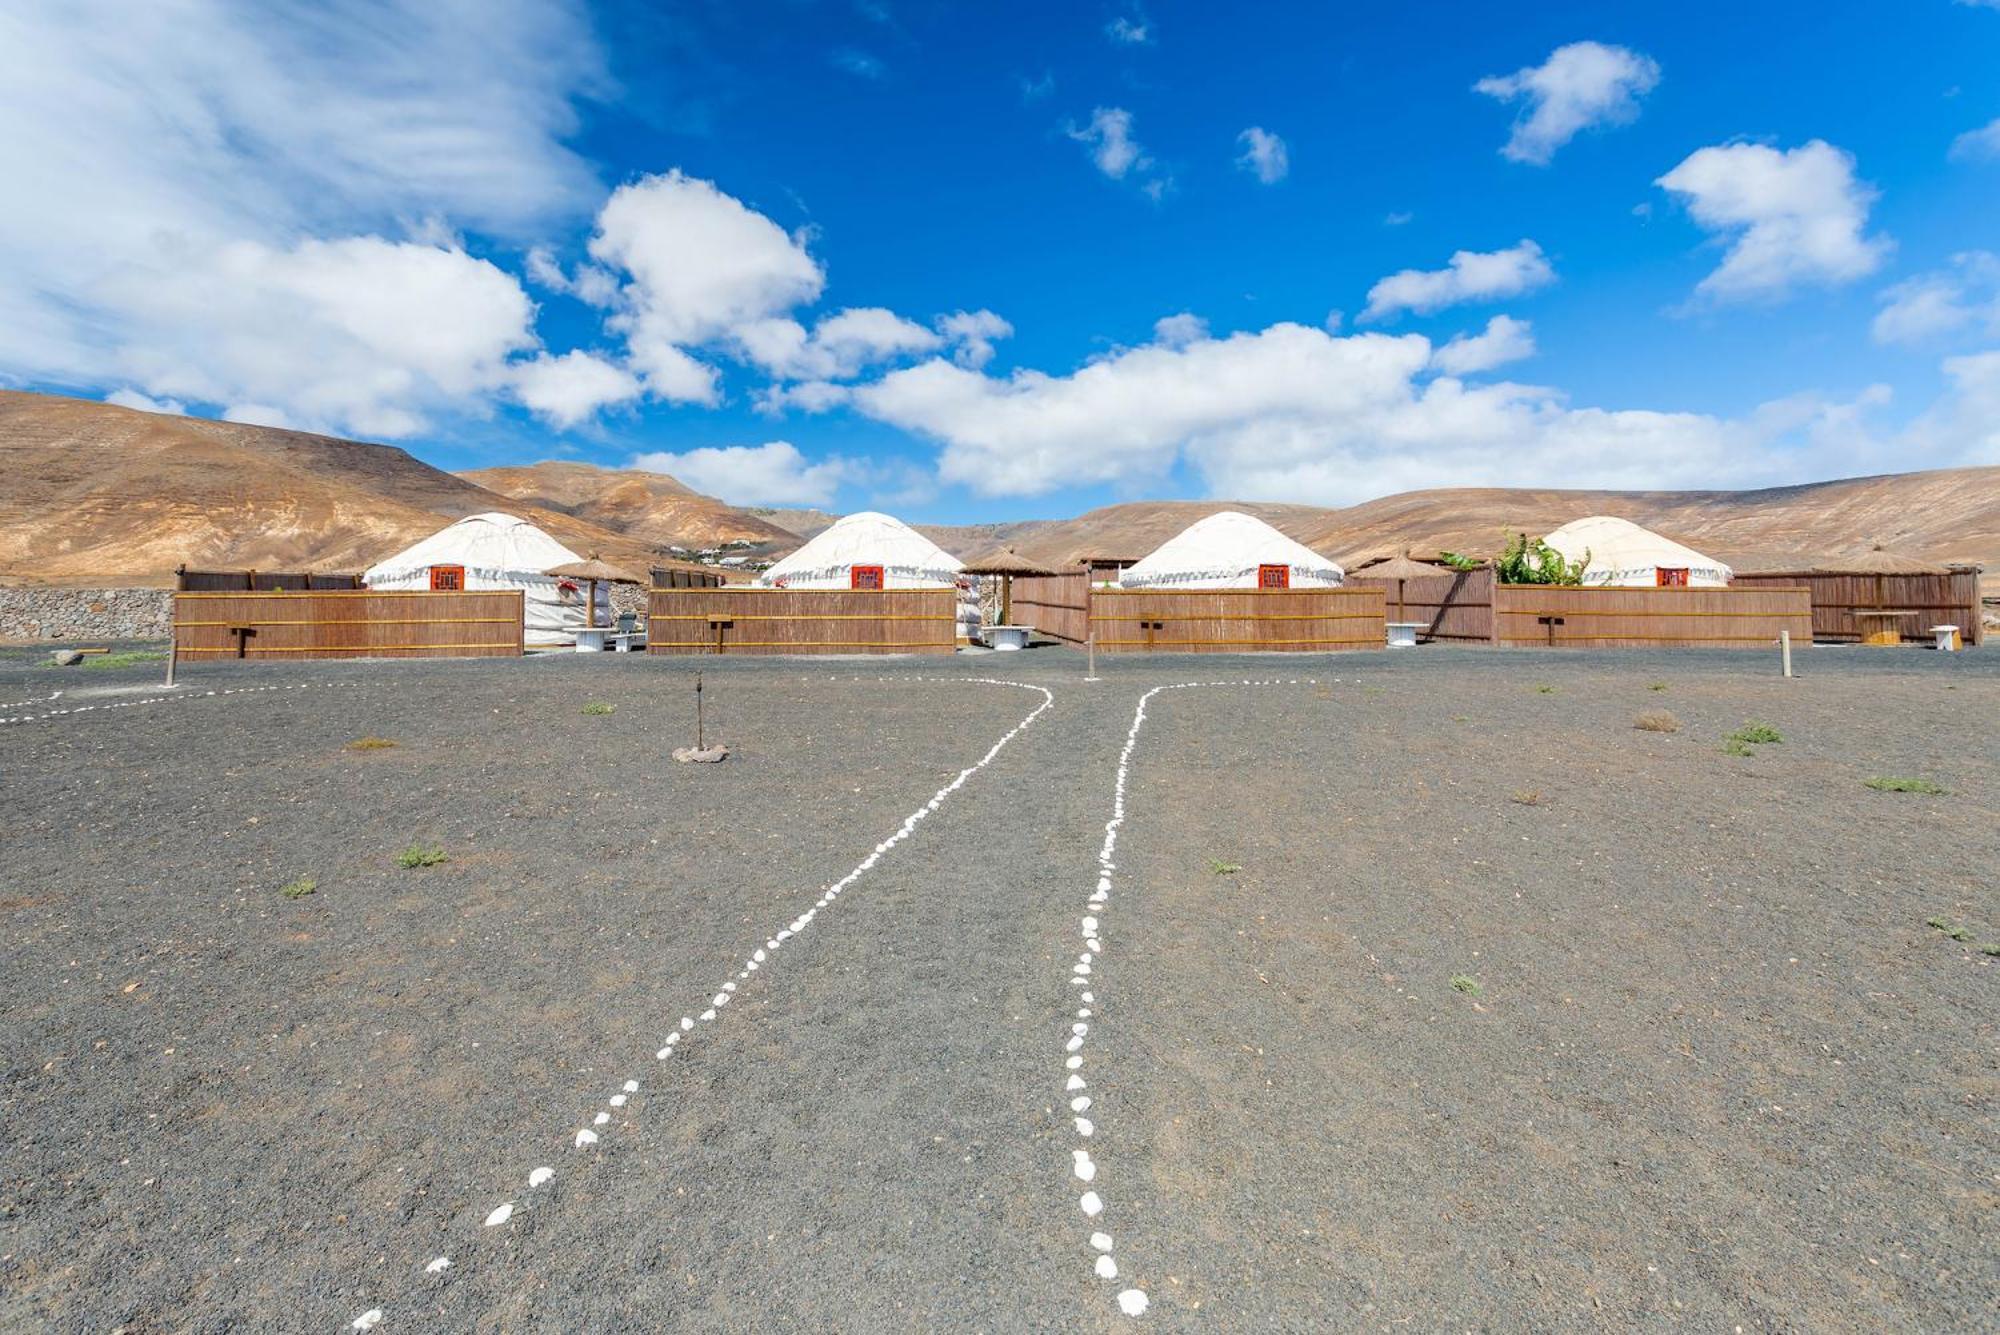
85, 615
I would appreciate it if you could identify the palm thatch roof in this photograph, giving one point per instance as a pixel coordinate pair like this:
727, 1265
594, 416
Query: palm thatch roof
1006, 561
592, 569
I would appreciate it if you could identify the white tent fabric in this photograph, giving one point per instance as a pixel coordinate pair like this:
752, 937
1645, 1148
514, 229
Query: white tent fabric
908, 559
1624, 555
501, 551
1224, 551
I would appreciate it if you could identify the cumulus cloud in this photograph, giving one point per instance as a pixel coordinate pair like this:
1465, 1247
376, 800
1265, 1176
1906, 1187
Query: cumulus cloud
839, 347
1296, 413
572, 388
1469, 276
972, 335
1264, 155
1176, 331
243, 164
1112, 147
1963, 297
1792, 216
1581, 85
1505, 340
1977, 144
774, 473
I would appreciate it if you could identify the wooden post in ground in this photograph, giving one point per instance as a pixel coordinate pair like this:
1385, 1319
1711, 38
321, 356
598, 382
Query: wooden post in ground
1090, 645
1785, 650
173, 656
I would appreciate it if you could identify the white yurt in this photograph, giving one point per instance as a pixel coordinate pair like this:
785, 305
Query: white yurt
866, 551
1229, 550
499, 551
1626, 556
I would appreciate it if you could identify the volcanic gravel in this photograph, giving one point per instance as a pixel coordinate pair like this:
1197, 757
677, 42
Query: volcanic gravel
1714, 1070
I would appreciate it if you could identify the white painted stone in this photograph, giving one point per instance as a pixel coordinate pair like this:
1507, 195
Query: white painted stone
539, 1176
1074, 1083
1081, 1103
1092, 1206
1084, 1127
617, 1100
1101, 1241
371, 1318
501, 1214
631, 1086
600, 1119
1132, 1302
1107, 1268
585, 1137
439, 1266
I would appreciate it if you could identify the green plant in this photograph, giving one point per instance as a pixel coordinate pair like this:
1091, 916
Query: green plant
1656, 686
300, 888
1535, 562
1462, 983
1949, 928
1990, 948
1756, 734
1545, 690
416, 855
1458, 561
371, 744
1526, 797
1221, 868
1941, 924
1732, 747
1657, 720
1891, 785
597, 709
125, 659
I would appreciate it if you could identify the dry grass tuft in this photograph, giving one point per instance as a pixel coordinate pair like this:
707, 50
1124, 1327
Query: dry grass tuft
371, 744
1657, 720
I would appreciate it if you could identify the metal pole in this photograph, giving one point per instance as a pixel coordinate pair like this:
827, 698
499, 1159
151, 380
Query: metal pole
173, 656
1090, 644
1785, 650
700, 741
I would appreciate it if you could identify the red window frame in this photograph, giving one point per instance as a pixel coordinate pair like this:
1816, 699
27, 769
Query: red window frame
1274, 577
447, 579
1671, 577
867, 577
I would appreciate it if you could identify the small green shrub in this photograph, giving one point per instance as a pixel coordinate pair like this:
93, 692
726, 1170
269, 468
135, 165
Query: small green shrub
1545, 690
1732, 747
1656, 686
1526, 797
125, 659
597, 709
1462, 983
1891, 785
1949, 928
1756, 734
1221, 868
371, 744
416, 855
300, 888
1657, 720
1990, 948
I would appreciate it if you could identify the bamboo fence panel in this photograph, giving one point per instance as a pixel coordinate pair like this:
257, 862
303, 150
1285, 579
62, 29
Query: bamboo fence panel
1925, 600
745, 620
1056, 605
1224, 621
349, 624
669, 578
1540, 615
261, 581
1453, 605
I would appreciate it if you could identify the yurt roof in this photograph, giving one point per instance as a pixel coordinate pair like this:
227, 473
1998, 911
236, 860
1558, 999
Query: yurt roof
1228, 543
869, 539
492, 541
1617, 545
1006, 561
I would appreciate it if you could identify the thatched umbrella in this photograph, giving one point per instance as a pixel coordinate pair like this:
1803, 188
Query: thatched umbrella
1881, 564
1006, 563
1399, 568
596, 572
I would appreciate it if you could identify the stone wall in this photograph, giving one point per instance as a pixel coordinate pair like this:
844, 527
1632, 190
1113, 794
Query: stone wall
85, 615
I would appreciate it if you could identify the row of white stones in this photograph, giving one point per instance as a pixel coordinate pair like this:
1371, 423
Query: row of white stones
587, 1136
162, 699
1132, 1300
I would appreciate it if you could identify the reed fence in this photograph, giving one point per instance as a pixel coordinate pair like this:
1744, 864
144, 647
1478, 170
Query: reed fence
1454, 606
1539, 615
1211, 621
348, 624
1922, 601
1056, 605
261, 581
747, 620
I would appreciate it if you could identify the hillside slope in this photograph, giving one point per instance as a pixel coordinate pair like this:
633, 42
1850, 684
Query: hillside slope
648, 507
94, 493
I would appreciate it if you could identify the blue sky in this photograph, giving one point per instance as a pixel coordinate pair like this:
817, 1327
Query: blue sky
973, 262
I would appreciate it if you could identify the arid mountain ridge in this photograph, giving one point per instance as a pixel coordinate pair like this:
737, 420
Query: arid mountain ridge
96, 494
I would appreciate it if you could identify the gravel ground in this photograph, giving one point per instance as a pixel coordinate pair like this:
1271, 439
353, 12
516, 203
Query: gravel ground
1717, 1071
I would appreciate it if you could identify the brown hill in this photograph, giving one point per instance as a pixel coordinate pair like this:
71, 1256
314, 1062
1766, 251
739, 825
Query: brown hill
93, 493
649, 507
1950, 515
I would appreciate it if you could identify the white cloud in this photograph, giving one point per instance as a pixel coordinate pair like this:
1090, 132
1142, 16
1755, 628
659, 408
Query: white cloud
1505, 340
589, 283
132, 398
840, 346
1112, 147
1295, 413
1130, 30
572, 388
1264, 154
701, 267
1965, 296
1794, 216
1398, 218
1580, 85
260, 180
1981, 143
972, 334
1176, 331
858, 63
1470, 276
775, 473
808, 396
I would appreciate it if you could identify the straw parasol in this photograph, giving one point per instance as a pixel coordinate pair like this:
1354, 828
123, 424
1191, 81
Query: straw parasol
1006, 563
1399, 568
596, 572
1879, 561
